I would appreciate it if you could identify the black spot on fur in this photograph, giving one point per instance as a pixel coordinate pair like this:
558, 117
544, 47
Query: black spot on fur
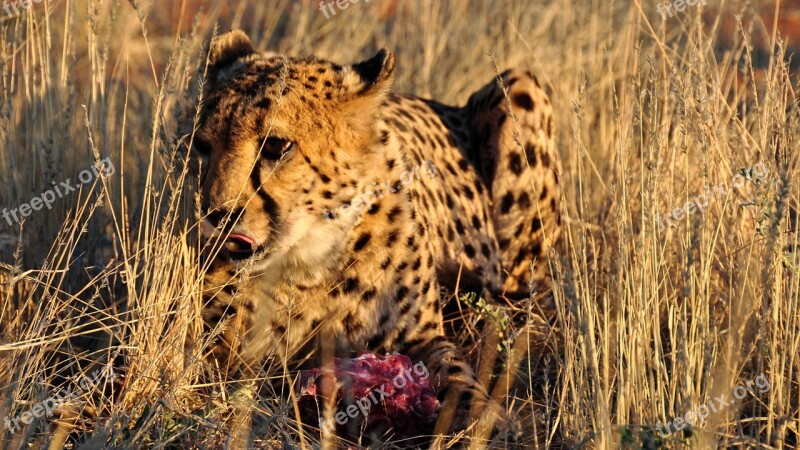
515, 164
452, 370
405, 114
468, 192
426, 287
401, 294
420, 137
398, 124
439, 142
229, 289
264, 103
478, 186
350, 285
476, 222
523, 200
466, 397
376, 342
459, 226
393, 213
469, 250
350, 324
429, 326
362, 241
369, 294
545, 159
425, 202
524, 101
507, 203
530, 153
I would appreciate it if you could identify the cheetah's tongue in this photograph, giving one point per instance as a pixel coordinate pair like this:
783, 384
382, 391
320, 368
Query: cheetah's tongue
240, 246
236, 237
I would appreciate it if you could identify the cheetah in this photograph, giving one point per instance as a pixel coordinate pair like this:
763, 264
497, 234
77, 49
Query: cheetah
342, 209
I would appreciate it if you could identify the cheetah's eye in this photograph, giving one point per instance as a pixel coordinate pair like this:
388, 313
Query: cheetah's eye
272, 148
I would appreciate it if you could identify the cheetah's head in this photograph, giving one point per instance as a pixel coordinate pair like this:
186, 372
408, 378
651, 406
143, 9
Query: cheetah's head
278, 141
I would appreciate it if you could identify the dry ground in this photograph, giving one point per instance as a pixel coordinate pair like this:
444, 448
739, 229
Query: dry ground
651, 322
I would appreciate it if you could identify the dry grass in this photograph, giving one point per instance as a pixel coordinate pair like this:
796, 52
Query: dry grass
651, 323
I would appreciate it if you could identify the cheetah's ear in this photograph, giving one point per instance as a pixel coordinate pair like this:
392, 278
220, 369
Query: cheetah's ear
364, 86
370, 77
228, 47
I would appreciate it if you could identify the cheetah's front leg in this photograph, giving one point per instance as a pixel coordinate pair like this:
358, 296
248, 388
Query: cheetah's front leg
464, 399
